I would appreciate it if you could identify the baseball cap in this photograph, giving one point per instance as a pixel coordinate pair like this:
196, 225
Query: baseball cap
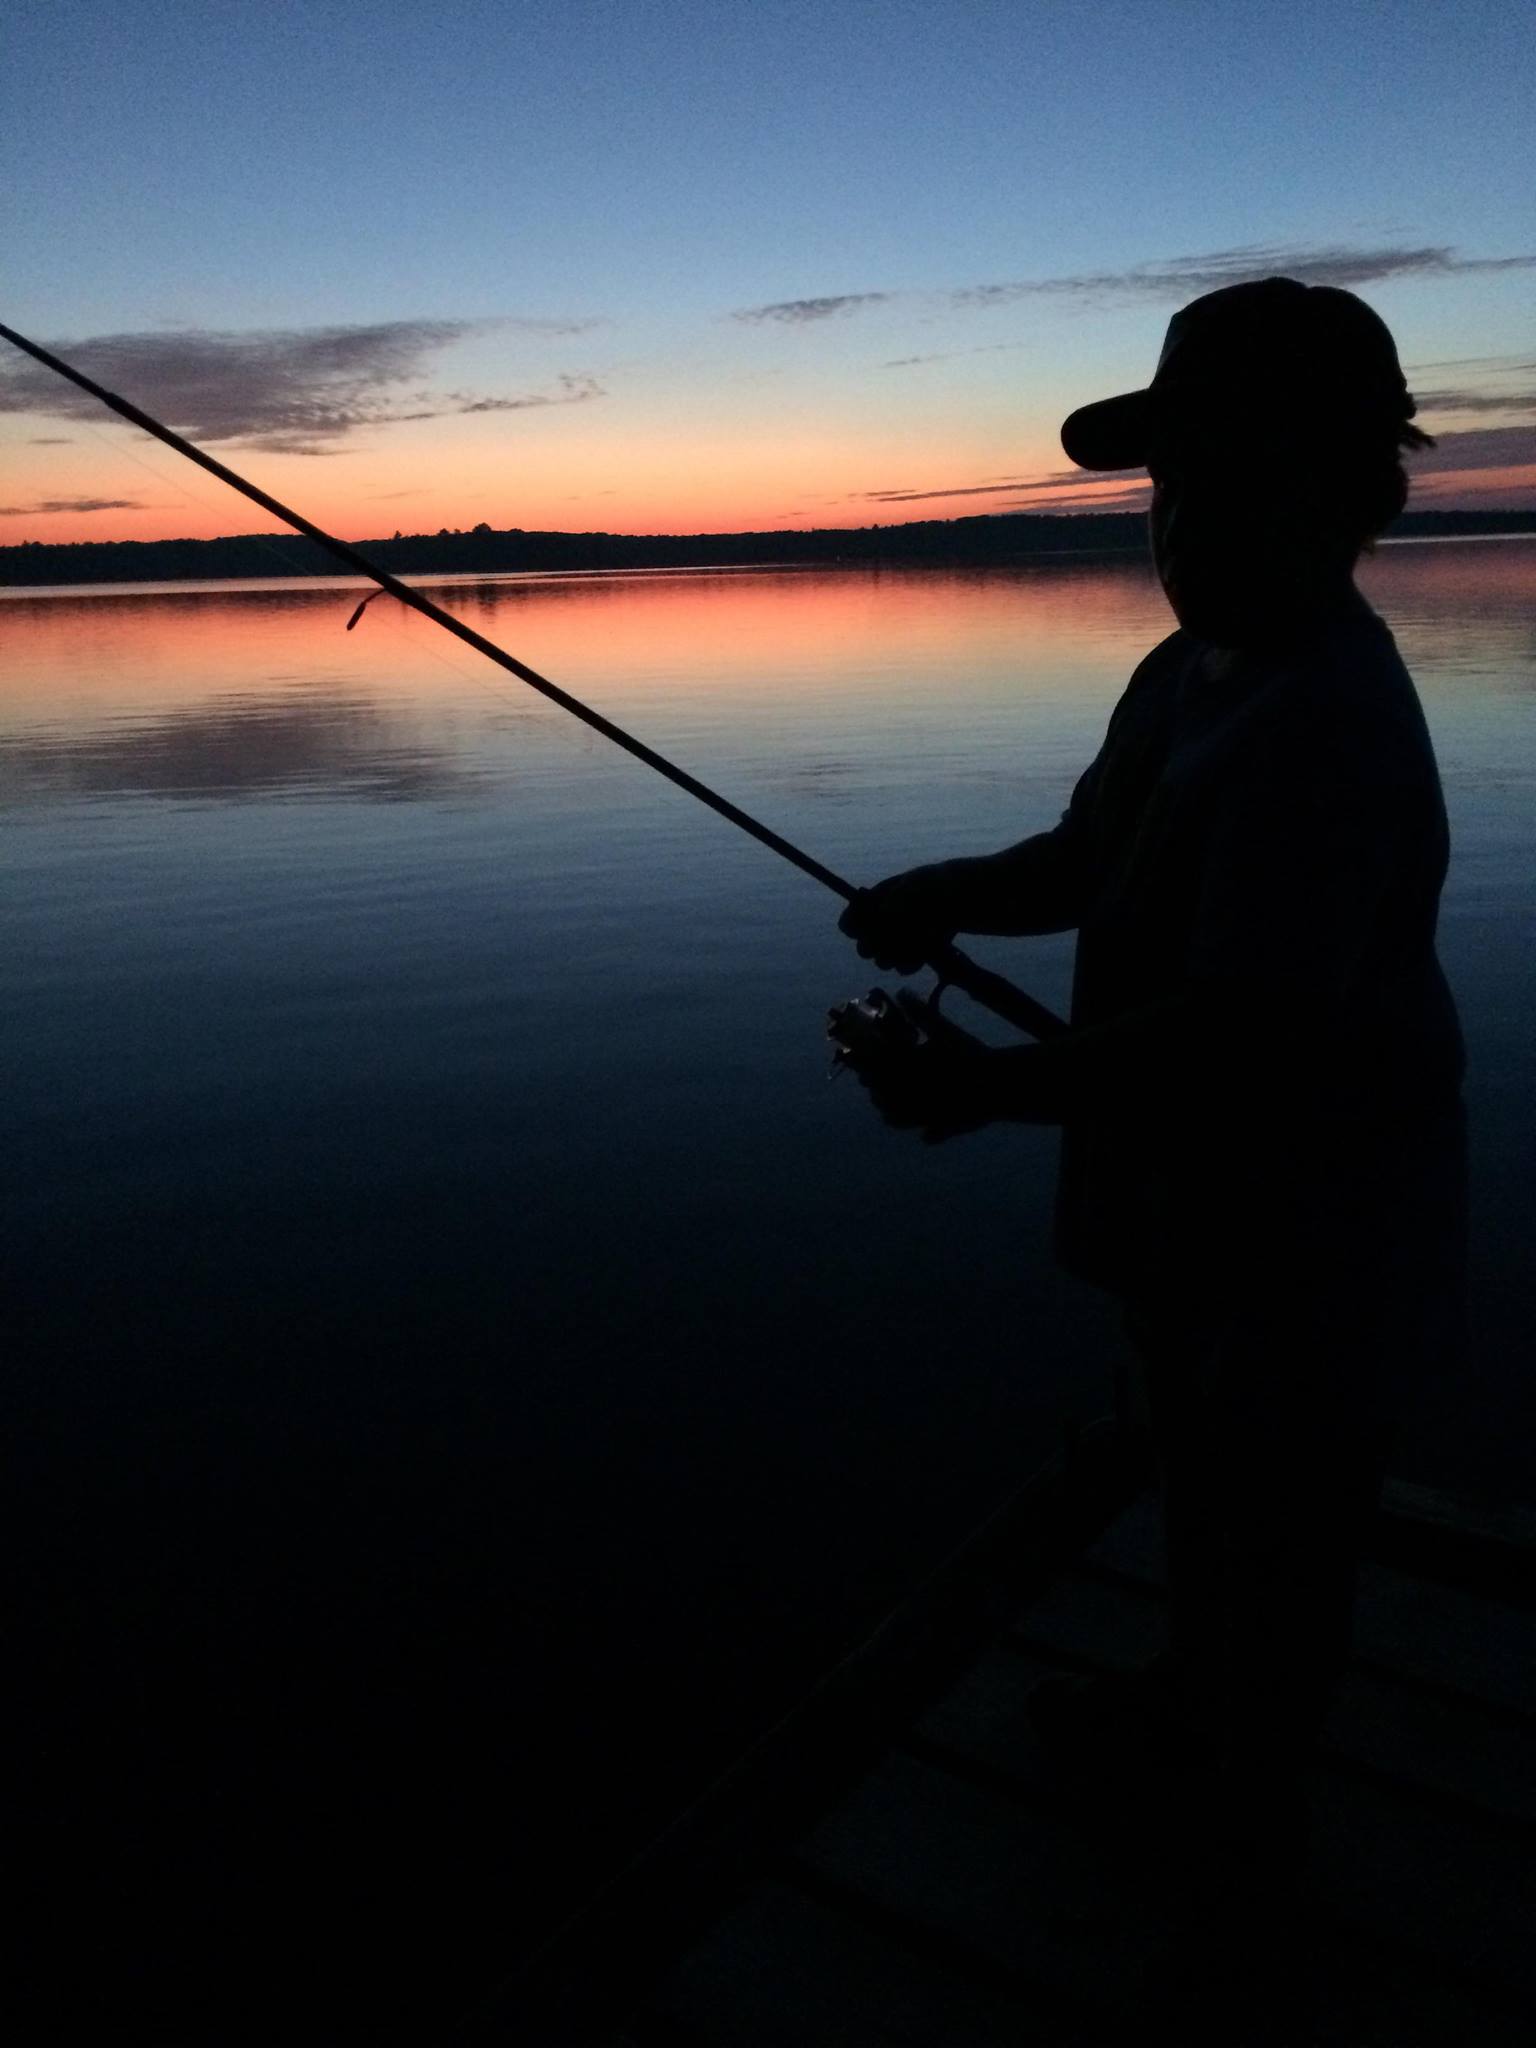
1246, 357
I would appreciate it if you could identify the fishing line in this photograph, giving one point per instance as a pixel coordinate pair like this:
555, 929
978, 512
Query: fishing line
269, 541
953, 967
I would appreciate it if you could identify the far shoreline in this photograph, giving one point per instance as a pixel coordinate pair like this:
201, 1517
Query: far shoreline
974, 542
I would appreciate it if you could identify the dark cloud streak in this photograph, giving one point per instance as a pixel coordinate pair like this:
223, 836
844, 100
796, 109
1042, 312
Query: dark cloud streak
572, 391
1493, 365
1472, 400
290, 392
1184, 277
48, 505
1132, 499
1055, 479
804, 312
957, 491
986, 348
1478, 448
1475, 448
1174, 279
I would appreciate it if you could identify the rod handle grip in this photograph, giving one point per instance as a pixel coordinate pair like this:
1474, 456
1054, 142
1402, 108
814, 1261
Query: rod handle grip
996, 994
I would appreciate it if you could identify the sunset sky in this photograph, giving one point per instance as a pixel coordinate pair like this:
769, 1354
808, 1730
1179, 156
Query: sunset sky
693, 265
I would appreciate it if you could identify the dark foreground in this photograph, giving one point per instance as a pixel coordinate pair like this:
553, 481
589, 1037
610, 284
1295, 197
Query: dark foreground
957, 1892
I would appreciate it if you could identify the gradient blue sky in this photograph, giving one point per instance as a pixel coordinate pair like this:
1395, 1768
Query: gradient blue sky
422, 267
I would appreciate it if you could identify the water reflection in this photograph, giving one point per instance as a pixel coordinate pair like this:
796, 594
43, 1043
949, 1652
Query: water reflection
443, 1285
322, 743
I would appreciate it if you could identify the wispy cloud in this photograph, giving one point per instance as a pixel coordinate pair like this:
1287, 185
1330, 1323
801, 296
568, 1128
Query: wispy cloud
1005, 486
555, 329
291, 391
1476, 384
1470, 399
569, 391
1183, 277
1455, 455
45, 505
986, 348
1494, 364
1493, 448
1083, 478
51, 441
1174, 278
1479, 448
953, 491
802, 312
1128, 498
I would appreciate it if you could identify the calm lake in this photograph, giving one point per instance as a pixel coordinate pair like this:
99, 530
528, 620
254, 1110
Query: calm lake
470, 1368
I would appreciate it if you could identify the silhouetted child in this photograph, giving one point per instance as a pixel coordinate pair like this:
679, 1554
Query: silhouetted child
1260, 1095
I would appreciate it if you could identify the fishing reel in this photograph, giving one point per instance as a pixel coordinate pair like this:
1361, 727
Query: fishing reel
872, 1029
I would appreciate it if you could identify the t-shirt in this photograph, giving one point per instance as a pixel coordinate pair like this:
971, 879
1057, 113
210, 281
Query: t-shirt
1254, 863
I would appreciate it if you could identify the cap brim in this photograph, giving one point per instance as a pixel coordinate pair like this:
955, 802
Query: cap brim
1110, 435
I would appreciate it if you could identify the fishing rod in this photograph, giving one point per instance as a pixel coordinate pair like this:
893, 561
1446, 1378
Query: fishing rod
954, 968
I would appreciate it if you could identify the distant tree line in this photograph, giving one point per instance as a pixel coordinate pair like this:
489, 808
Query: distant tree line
994, 537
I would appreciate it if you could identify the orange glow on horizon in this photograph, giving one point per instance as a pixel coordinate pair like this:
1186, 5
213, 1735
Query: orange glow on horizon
638, 481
